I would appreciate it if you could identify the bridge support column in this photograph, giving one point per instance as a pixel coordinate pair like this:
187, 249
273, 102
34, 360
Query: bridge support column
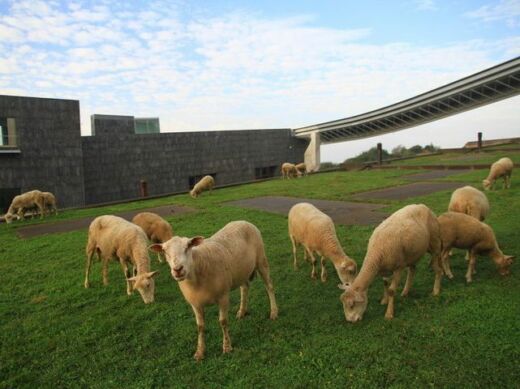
312, 154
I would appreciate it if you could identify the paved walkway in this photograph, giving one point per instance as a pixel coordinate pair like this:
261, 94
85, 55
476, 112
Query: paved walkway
79, 224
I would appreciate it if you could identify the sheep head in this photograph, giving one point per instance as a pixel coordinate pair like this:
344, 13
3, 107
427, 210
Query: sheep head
346, 270
145, 285
504, 265
487, 184
354, 302
178, 253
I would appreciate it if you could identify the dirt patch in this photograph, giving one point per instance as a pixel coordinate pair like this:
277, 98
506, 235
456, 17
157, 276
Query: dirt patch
410, 190
434, 174
79, 224
342, 212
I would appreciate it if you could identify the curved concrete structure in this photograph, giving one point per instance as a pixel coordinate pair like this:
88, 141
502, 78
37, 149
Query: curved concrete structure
488, 86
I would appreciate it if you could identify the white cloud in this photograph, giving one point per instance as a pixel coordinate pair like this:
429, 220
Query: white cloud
426, 5
505, 10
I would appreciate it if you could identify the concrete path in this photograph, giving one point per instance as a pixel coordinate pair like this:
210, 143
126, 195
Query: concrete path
79, 224
434, 174
410, 190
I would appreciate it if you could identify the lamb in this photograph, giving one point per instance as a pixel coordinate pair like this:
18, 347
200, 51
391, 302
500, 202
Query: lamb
465, 232
316, 232
156, 228
208, 269
206, 183
470, 201
112, 237
289, 170
301, 169
398, 242
23, 202
49, 203
501, 168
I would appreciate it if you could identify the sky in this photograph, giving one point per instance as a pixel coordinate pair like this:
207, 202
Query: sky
222, 65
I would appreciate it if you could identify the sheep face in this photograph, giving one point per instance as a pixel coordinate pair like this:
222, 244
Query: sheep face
193, 194
354, 303
504, 265
9, 217
487, 184
347, 270
178, 253
145, 285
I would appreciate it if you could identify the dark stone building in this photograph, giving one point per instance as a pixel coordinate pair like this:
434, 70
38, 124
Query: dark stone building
48, 152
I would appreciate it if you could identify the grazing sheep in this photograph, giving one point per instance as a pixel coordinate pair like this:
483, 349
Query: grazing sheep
155, 227
205, 183
465, 232
23, 202
398, 242
301, 169
289, 170
112, 237
501, 168
316, 232
49, 203
470, 201
208, 269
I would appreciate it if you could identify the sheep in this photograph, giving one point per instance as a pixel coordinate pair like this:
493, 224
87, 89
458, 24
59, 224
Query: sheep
23, 202
206, 183
156, 228
316, 232
208, 269
501, 168
288, 170
398, 242
49, 203
465, 232
301, 169
470, 201
112, 237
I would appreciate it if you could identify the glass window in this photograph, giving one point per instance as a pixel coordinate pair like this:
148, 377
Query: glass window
7, 132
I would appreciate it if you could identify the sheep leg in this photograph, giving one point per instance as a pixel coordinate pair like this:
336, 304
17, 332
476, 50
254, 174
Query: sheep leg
201, 344
244, 290
159, 257
105, 272
263, 269
223, 308
386, 283
323, 269
313, 262
437, 265
129, 287
471, 267
409, 281
445, 262
389, 315
87, 270
295, 261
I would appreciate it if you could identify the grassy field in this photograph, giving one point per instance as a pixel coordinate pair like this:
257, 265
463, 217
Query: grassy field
454, 158
53, 332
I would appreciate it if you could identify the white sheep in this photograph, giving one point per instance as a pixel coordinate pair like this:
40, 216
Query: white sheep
205, 183
465, 232
23, 202
289, 170
155, 227
112, 237
501, 168
315, 230
470, 201
208, 269
397, 243
49, 203
301, 168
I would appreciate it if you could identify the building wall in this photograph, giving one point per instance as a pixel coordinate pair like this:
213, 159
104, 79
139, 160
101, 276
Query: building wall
116, 161
48, 138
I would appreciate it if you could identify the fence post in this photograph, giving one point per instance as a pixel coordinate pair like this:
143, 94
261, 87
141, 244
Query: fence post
479, 143
379, 154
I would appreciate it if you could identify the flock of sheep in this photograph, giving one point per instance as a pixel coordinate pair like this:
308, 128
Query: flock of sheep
207, 269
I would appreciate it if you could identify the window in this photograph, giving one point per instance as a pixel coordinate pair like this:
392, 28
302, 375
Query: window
192, 180
265, 172
7, 132
147, 126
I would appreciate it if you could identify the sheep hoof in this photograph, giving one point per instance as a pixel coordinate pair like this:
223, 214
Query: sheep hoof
404, 294
274, 315
199, 356
227, 349
323, 278
449, 275
313, 276
87, 284
241, 314
468, 280
389, 316
384, 301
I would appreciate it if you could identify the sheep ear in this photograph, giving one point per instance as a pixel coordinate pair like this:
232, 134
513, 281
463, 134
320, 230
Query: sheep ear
197, 240
133, 279
152, 274
156, 247
344, 286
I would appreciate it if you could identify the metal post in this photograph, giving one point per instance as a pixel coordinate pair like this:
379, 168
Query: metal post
479, 144
144, 188
379, 154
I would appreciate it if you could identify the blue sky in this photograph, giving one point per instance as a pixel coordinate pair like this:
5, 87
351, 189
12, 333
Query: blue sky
214, 65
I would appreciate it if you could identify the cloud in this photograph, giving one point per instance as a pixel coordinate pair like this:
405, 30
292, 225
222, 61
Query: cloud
504, 11
426, 5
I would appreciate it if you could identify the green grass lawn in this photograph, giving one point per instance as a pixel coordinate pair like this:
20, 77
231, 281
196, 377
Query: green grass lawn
53, 332
454, 158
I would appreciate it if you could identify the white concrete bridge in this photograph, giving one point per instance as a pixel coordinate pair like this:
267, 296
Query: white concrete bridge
488, 86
